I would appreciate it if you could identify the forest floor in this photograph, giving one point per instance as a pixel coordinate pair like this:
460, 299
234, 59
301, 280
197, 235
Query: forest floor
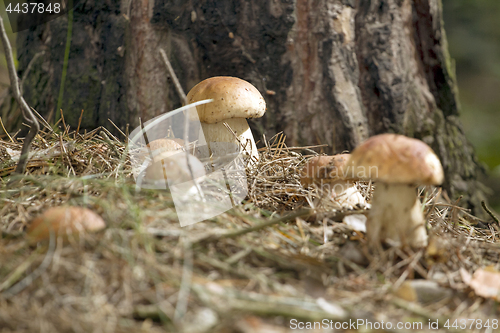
271, 264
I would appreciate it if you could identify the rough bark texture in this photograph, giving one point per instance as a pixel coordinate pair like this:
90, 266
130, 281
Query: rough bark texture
94, 80
331, 71
146, 82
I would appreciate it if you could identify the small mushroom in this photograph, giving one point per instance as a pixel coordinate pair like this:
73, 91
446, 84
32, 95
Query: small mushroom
63, 221
331, 174
165, 145
398, 164
159, 149
169, 159
175, 166
179, 141
234, 101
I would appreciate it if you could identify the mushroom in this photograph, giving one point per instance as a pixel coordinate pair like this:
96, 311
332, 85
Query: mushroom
175, 166
63, 221
234, 101
165, 144
155, 148
331, 173
398, 164
169, 159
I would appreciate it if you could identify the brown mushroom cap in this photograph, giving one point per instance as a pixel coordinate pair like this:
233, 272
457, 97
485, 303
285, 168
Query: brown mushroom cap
326, 169
63, 220
232, 98
393, 158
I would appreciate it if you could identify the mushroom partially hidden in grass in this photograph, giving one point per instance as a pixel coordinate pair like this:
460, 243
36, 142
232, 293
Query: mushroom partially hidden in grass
165, 144
331, 174
169, 159
234, 101
397, 164
159, 149
63, 221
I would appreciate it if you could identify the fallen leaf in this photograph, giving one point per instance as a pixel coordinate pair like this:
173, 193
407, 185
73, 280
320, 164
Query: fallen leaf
485, 283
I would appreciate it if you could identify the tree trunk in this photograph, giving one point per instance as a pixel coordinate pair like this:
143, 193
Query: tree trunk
331, 71
95, 80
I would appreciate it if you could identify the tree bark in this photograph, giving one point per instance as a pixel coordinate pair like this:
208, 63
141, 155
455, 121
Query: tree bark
331, 71
95, 80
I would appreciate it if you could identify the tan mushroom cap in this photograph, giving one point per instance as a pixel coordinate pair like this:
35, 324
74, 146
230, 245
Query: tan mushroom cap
163, 147
63, 220
176, 164
179, 141
165, 144
393, 158
325, 169
232, 98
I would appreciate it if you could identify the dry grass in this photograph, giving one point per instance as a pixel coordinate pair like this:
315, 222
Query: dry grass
251, 269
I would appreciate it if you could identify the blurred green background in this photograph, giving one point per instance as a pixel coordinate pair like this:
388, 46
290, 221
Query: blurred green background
473, 31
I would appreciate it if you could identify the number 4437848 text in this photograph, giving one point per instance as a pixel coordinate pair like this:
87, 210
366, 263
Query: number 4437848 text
34, 7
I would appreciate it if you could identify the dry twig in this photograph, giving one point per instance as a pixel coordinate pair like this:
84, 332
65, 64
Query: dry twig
27, 114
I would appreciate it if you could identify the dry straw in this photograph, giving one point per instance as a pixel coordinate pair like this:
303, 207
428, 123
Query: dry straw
263, 260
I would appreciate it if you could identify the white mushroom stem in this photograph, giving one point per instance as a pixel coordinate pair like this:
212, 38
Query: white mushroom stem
217, 132
396, 216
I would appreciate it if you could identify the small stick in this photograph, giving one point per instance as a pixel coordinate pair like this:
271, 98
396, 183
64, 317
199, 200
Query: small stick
257, 227
490, 213
293, 148
183, 97
15, 134
146, 140
65, 152
57, 123
79, 123
119, 130
265, 144
91, 134
454, 211
235, 136
44, 122
248, 144
110, 134
228, 186
177, 84
1, 123
27, 114
64, 123
110, 144
281, 140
